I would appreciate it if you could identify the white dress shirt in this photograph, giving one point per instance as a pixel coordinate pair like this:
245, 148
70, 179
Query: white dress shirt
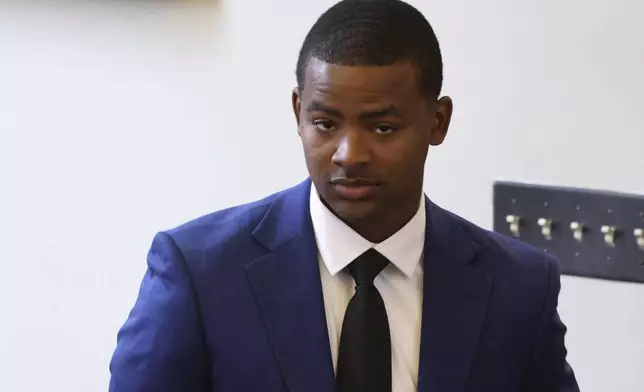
400, 284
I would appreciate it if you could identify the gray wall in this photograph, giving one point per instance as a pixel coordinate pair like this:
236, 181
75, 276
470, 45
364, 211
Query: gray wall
120, 120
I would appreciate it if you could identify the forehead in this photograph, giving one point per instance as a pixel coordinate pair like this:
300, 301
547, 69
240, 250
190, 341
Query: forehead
397, 82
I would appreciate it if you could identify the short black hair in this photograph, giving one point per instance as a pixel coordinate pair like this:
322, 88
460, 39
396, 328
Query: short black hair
374, 33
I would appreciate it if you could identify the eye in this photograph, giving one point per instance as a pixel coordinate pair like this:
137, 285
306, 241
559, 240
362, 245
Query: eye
385, 129
324, 125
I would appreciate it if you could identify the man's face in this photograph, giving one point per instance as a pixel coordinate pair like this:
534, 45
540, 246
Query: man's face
365, 132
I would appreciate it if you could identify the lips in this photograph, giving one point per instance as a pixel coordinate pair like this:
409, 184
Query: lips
354, 189
354, 192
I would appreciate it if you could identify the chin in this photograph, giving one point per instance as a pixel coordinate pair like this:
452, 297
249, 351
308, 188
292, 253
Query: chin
351, 210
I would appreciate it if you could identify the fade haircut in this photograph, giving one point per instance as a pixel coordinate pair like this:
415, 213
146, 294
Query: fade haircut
375, 33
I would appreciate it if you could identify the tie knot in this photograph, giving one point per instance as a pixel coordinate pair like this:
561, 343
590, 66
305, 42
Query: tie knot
367, 266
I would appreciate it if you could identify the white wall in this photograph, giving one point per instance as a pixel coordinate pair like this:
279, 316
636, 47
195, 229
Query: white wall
118, 119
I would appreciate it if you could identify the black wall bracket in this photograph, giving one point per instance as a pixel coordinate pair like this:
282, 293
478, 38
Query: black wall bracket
593, 233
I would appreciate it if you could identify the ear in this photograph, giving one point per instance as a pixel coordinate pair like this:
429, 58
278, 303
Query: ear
297, 104
444, 110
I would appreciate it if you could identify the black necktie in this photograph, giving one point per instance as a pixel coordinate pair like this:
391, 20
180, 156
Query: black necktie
364, 359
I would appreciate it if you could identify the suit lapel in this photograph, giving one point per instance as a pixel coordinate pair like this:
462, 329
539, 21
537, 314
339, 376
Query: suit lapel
455, 302
287, 287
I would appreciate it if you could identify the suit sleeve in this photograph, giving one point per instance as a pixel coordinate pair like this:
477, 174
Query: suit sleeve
160, 348
550, 371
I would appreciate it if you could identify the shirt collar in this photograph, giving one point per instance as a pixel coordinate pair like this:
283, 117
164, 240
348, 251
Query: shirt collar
339, 244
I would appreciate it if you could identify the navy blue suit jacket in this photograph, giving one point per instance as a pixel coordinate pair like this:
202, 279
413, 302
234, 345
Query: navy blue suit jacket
232, 302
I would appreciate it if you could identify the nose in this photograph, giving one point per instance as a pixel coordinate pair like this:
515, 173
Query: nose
351, 151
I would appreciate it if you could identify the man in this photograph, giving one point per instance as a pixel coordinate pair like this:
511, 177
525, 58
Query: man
351, 280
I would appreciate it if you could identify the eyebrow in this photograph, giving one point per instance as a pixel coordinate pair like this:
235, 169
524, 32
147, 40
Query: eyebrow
389, 111
318, 106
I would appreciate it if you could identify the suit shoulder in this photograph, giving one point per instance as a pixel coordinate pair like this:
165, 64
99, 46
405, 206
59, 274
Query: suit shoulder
232, 226
507, 251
